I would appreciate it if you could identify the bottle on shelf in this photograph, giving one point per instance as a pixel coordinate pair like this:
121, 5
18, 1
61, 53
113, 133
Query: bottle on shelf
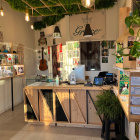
57, 80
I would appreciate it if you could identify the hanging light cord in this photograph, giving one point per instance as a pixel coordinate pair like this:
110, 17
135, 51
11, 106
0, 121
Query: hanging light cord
87, 18
1, 3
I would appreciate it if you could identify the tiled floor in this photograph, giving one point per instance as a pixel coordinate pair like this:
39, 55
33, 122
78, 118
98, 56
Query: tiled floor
13, 127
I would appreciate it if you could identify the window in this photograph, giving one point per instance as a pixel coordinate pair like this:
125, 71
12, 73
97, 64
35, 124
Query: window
90, 55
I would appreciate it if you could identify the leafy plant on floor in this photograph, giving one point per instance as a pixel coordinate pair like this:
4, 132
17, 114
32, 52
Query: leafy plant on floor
108, 105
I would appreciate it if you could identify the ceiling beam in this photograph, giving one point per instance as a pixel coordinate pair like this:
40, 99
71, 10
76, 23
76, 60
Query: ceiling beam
63, 6
46, 5
79, 7
31, 7
64, 14
56, 5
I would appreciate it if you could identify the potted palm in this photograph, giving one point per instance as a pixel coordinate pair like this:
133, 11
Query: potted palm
109, 106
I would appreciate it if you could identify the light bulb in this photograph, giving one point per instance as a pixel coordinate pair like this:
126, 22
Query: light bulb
32, 26
87, 3
27, 18
1, 12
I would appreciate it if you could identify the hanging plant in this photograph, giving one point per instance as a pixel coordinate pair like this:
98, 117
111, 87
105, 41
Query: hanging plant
71, 7
39, 25
104, 4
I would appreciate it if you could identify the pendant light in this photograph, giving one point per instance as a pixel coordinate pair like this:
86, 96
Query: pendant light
32, 26
57, 33
88, 31
27, 17
88, 3
1, 10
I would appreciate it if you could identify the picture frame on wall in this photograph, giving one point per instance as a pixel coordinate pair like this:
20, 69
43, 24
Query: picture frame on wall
111, 44
105, 52
104, 59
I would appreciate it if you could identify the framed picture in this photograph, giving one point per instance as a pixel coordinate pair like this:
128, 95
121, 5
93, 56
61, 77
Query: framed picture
20, 70
105, 52
111, 45
104, 59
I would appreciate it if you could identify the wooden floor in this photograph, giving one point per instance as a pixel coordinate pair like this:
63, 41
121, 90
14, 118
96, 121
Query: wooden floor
13, 127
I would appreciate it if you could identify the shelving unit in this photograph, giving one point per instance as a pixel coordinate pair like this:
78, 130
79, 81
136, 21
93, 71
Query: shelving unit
11, 64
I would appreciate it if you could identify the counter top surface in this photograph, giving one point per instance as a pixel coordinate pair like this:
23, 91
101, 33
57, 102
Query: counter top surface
52, 85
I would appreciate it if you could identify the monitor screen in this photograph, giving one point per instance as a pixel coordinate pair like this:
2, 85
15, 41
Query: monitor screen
79, 73
109, 74
98, 81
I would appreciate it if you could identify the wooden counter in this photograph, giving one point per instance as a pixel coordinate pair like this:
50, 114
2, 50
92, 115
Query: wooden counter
64, 104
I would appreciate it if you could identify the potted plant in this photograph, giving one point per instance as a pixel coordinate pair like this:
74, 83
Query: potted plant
133, 23
109, 106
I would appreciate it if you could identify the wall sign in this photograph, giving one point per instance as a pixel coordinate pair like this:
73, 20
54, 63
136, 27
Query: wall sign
96, 20
80, 31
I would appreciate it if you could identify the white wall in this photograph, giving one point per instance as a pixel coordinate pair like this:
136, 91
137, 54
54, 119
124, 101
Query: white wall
111, 24
16, 30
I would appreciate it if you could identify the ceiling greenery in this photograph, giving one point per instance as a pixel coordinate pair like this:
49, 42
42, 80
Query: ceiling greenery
52, 11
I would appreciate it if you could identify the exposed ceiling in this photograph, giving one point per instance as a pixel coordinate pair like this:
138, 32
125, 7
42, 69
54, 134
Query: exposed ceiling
48, 7
52, 11
56, 7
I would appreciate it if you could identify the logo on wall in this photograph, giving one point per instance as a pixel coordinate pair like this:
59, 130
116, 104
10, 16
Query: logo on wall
97, 21
80, 31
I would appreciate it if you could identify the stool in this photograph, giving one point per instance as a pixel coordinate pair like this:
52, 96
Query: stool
106, 129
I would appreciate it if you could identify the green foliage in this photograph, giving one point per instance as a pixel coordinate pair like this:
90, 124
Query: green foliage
70, 5
39, 25
108, 105
131, 22
104, 4
51, 20
17, 5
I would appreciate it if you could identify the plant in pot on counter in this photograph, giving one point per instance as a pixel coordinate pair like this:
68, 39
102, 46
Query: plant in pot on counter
132, 22
109, 106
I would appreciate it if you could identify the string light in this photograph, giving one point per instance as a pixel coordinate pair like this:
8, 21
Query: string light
32, 26
1, 10
27, 17
88, 3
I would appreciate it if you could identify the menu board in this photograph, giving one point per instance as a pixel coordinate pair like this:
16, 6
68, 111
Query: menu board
135, 81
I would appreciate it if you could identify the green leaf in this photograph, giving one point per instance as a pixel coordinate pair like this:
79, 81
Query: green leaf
128, 22
136, 12
137, 45
131, 31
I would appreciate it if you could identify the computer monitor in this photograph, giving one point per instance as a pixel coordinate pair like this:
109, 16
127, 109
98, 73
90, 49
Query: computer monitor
98, 81
79, 73
109, 78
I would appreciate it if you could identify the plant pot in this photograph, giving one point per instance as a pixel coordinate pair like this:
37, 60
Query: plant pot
138, 63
